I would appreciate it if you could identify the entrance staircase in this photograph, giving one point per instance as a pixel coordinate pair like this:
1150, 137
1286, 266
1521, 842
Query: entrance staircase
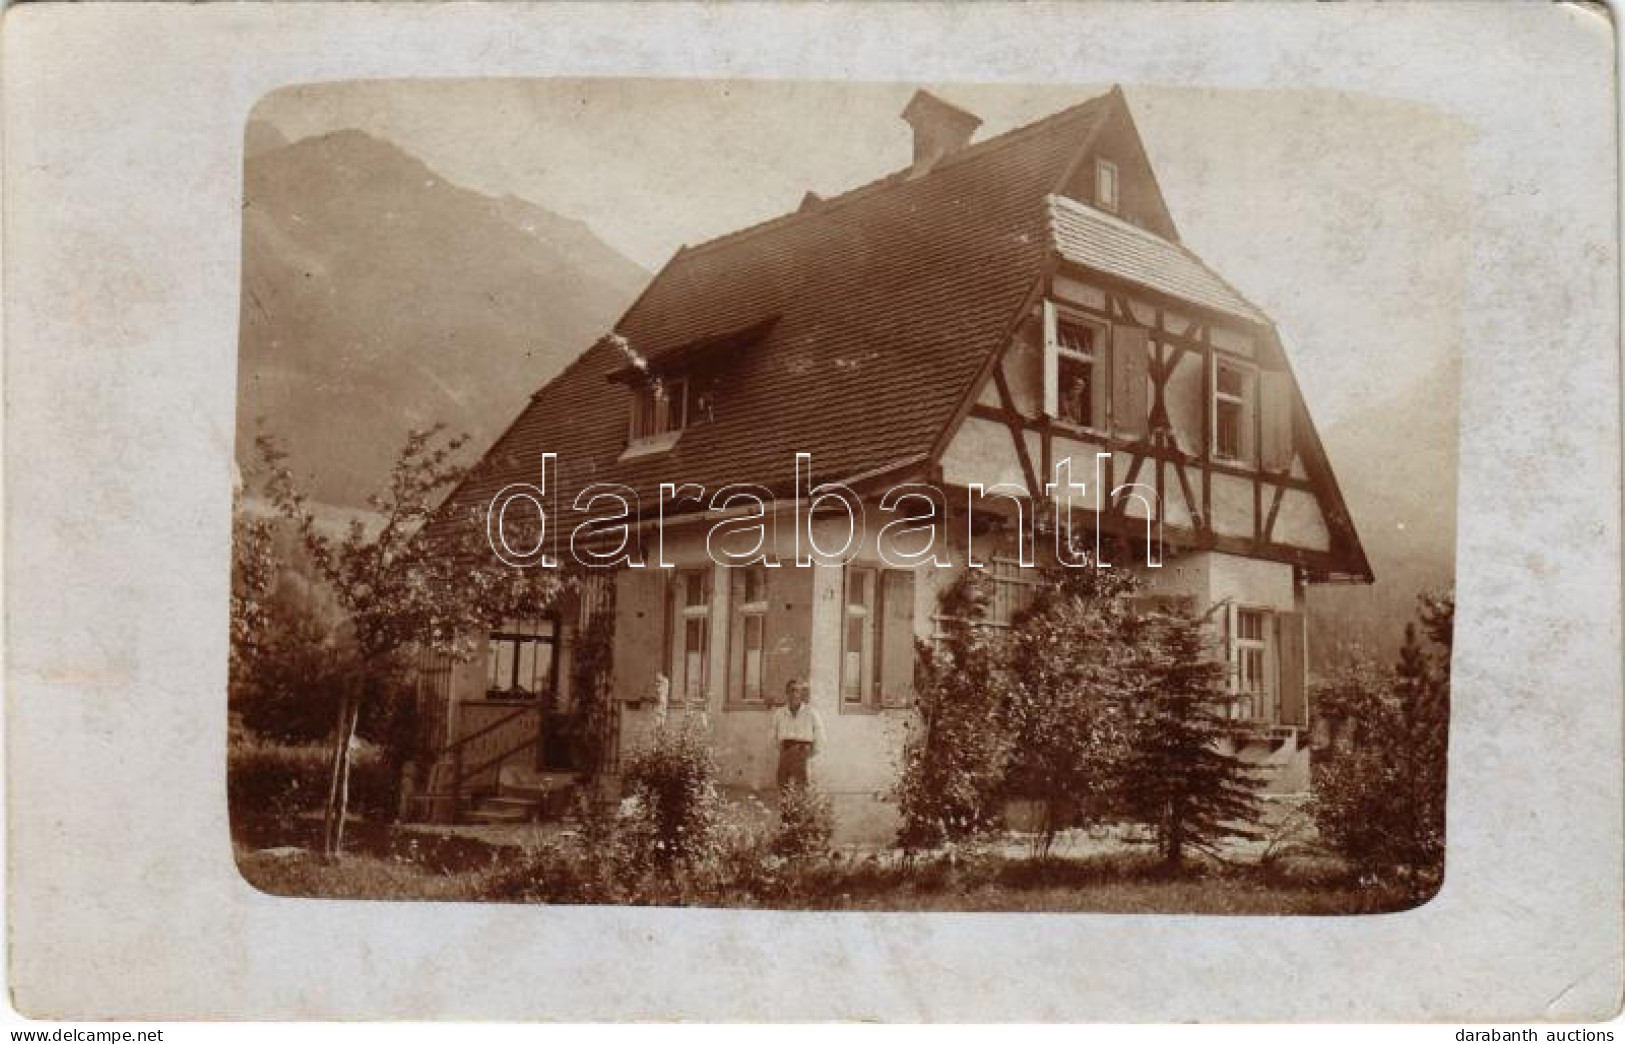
525, 796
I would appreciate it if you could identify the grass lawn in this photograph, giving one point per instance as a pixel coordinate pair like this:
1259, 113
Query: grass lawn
407, 865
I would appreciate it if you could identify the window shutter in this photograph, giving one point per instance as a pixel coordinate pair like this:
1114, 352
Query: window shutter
1052, 361
1289, 641
896, 638
1275, 394
640, 617
1129, 365
789, 628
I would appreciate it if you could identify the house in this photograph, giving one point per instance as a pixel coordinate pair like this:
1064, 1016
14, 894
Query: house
992, 318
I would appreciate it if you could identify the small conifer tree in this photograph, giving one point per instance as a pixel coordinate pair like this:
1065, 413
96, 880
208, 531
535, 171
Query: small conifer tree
1179, 776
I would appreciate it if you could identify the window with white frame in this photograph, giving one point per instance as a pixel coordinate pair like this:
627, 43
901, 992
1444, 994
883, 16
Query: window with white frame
1079, 368
690, 634
1106, 185
750, 609
1251, 664
521, 660
1234, 403
858, 636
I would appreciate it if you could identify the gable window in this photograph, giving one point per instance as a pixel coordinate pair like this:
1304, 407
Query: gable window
1106, 185
689, 634
1080, 369
1233, 410
521, 660
749, 601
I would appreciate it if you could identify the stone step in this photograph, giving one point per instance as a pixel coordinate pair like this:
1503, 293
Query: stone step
508, 801
486, 814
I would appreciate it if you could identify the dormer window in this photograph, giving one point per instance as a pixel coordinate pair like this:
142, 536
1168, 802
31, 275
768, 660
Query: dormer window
1106, 185
662, 407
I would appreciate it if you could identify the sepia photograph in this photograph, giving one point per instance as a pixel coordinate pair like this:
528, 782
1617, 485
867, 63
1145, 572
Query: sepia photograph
899, 496
619, 514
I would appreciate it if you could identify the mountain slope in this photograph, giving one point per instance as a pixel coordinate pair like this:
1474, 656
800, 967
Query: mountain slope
1396, 463
378, 297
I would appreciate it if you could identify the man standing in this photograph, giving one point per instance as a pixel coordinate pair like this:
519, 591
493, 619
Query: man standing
799, 732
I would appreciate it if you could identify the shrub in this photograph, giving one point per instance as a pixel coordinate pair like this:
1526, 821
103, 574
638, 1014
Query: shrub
673, 800
954, 759
1065, 659
806, 823
1381, 803
284, 780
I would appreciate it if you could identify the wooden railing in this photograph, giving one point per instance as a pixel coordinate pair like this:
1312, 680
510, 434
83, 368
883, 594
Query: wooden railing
479, 745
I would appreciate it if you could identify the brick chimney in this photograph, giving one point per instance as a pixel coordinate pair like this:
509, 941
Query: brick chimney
940, 129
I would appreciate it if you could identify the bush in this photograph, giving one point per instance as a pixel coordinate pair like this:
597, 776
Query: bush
806, 824
955, 758
1066, 659
284, 780
673, 803
1381, 803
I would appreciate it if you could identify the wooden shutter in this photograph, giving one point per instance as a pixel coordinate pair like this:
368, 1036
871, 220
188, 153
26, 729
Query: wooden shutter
1052, 361
640, 626
1129, 363
789, 628
896, 638
1275, 403
1289, 643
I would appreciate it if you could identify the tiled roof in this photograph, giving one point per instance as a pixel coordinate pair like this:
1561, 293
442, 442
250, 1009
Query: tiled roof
1089, 237
888, 300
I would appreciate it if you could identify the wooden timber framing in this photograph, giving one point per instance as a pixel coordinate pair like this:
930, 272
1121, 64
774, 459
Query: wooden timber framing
1172, 467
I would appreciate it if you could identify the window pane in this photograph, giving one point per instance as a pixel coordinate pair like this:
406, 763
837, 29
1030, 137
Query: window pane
676, 404
1077, 378
857, 587
753, 658
852, 662
493, 672
1227, 436
693, 658
1231, 382
755, 584
527, 666
694, 589
1079, 339
643, 419
503, 676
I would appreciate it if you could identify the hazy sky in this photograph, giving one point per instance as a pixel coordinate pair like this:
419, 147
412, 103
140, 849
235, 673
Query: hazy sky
1344, 217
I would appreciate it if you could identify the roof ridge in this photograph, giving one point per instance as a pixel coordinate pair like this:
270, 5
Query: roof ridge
900, 176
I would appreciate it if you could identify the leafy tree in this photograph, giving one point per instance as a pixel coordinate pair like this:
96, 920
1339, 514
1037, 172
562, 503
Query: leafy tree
254, 568
1380, 793
1066, 661
954, 759
1179, 777
400, 587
